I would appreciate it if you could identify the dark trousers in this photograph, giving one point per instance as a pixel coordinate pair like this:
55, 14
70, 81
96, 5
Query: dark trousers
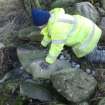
97, 56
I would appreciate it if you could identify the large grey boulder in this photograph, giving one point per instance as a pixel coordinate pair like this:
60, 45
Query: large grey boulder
78, 7
32, 62
88, 10
2, 45
74, 85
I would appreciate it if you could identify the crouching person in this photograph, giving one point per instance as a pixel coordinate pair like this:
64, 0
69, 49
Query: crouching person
61, 29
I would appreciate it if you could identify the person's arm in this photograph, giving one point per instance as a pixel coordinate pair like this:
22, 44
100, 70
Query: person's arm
58, 32
46, 38
54, 52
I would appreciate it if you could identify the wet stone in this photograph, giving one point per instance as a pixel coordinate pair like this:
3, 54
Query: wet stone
35, 91
33, 62
88, 71
2, 45
102, 101
103, 3
56, 103
102, 26
12, 19
68, 5
83, 103
8, 60
100, 73
30, 33
74, 85
101, 86
88, 10
63, 3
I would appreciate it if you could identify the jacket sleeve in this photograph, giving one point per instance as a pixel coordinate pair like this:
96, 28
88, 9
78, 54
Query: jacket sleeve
54, 52
55, 48
58, 37
46, 38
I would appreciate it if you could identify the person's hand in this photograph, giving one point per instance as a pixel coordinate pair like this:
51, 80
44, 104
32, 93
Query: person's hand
44, 65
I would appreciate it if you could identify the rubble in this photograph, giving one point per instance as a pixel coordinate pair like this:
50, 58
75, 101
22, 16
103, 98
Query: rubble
102, 26
83, 103
31, 33
102, 101
103, 3
74, 85
88, 10
35, 91
18, 81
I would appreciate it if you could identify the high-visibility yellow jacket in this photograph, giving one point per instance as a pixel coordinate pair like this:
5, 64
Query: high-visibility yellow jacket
71, 30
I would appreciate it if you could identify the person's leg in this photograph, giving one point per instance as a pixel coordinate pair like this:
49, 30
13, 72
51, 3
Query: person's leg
97, 56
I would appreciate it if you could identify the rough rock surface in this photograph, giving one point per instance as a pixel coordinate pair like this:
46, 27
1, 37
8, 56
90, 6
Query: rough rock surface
74, 85
103, 3
63, 3
88, 10
11, 20
83, 103
32, 61
68, 5
54, 103
8, 60
15, 21
45, 4
31, 33
35, 91
102, 101
102, 26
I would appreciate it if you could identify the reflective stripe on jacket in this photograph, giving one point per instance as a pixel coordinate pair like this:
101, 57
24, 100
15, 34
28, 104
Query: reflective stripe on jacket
72, 30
